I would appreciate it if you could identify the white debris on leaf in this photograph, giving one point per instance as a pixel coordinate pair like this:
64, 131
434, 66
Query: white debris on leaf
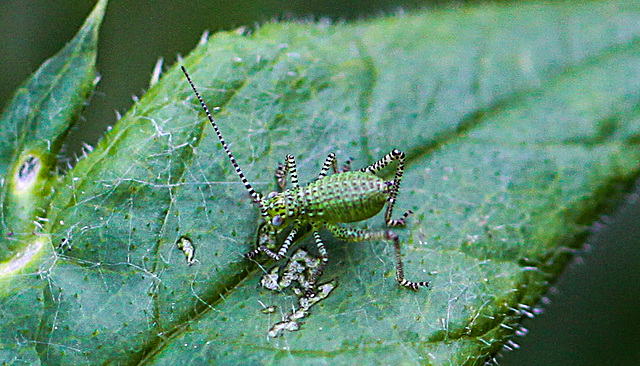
295, 276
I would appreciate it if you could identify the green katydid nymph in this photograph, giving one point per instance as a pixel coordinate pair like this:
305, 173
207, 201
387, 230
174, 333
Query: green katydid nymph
341, 197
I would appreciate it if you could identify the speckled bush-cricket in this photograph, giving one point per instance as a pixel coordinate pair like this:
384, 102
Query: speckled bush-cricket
342, 197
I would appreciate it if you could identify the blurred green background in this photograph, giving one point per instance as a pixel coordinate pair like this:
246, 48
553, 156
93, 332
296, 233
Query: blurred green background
593, 317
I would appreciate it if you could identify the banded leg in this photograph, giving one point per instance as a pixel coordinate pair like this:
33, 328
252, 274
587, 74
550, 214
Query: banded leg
281, 252
398, 155
330, 162
324, 255
281, 172
351, 234
281, 177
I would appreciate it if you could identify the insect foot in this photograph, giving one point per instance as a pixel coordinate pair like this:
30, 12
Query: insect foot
391, 235
401, 221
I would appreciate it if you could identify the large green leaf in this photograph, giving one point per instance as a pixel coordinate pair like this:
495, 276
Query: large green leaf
520, 123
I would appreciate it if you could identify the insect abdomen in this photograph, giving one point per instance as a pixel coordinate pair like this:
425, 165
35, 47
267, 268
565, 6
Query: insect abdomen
344, 197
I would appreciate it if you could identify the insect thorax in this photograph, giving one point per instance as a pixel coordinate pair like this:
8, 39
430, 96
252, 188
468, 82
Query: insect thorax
343, 197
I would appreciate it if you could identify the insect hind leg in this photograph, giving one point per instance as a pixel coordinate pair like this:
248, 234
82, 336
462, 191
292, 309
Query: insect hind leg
352, 234
394, 155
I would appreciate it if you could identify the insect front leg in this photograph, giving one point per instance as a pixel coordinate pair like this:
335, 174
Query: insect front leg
283, 249
398, 156
264, 237
354, 235
330, 162
281, 172
324, 255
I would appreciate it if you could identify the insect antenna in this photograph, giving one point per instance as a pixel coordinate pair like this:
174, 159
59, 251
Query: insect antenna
247, 185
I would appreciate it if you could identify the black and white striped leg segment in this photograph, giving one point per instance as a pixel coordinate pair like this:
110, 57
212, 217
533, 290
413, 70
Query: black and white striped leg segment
290, 162
394, 155
354, 235
324, 255
288, 167
330, 162
390, 235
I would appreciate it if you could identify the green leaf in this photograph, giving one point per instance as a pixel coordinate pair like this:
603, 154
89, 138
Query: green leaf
520, 123
32, 129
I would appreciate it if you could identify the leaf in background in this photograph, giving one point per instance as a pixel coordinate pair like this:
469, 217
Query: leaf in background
32, 129
520, 121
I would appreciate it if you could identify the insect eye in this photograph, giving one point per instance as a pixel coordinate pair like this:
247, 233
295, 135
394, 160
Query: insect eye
277, 220
272, 194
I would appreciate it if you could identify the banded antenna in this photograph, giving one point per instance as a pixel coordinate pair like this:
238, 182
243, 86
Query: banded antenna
254, 195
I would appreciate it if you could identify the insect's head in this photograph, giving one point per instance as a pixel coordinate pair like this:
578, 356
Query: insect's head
275, 205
